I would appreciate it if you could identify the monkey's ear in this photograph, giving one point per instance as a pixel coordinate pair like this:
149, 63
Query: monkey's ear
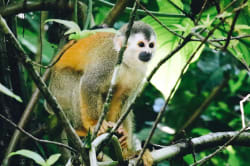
118, 42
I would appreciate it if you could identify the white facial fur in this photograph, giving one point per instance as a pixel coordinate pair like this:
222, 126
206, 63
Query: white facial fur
131, 54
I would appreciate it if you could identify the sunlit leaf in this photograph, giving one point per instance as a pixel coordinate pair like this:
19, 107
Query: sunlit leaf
181, 28
29, 154
166, 77
8, 92
52, 159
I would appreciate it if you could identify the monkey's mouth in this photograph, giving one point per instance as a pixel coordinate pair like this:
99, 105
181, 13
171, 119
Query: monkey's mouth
145, 56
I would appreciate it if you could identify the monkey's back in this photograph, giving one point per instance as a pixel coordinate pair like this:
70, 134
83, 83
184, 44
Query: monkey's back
84, 52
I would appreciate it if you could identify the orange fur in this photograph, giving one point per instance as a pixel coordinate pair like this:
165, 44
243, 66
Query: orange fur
75, 57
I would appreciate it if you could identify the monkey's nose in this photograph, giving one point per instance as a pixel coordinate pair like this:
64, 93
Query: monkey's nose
145, 56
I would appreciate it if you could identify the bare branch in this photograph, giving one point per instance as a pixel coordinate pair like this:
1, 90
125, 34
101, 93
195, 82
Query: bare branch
58, 57
115, 73
200, 143
221, 39
182, 148
24, 59
177, 7
242, 110
24, 119
35, 138
115, 12
157, 20
233, 25
28, 6
141, 12
205, 159
205, 103
100, 140
159, 116
200, 13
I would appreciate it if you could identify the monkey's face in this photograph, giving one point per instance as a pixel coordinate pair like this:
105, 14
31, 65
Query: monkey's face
140, 50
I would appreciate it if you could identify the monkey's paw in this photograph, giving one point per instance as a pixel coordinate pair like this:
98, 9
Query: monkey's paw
120, 133
147, 158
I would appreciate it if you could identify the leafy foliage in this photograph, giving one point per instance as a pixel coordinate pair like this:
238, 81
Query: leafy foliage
36, 157
211, 69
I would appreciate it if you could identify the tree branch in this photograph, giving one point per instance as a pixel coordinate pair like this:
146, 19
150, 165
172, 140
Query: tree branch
231, 139
35, 138
177, 7
141, 12
159, 116
205, 103
29, 5
115, 12
157, 20
183, 148
201, 143
115, 73
25, 60
25, 117
233, 25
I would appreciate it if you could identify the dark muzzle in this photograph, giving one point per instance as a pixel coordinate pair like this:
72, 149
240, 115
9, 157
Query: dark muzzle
145, 56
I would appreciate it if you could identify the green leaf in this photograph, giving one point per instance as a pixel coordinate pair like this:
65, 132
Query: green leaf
87, 141
52, 159
30, 42
233, 158
181, 28
29, 154
201, 131
6, 91
167, 75
235, 85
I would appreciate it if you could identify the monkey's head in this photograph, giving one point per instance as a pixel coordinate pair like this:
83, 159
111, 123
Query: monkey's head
141, 44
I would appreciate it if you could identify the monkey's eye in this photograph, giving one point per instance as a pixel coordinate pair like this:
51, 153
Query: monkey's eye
141, 44
151, 45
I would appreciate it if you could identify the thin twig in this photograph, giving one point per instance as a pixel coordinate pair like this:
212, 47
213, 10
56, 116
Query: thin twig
24, 59
60, 54
232, 26
229, 5
141, 12
204, 104
200, 38
223, 39
115, 73
201, 143
157, 20
184, 12
205, 159
115, 12
181, 45
200, 13
35, 138
25, 116
242, 110
30, 5
161, 113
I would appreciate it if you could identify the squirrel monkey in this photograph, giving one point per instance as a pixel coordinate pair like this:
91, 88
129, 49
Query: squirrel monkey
81, 78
